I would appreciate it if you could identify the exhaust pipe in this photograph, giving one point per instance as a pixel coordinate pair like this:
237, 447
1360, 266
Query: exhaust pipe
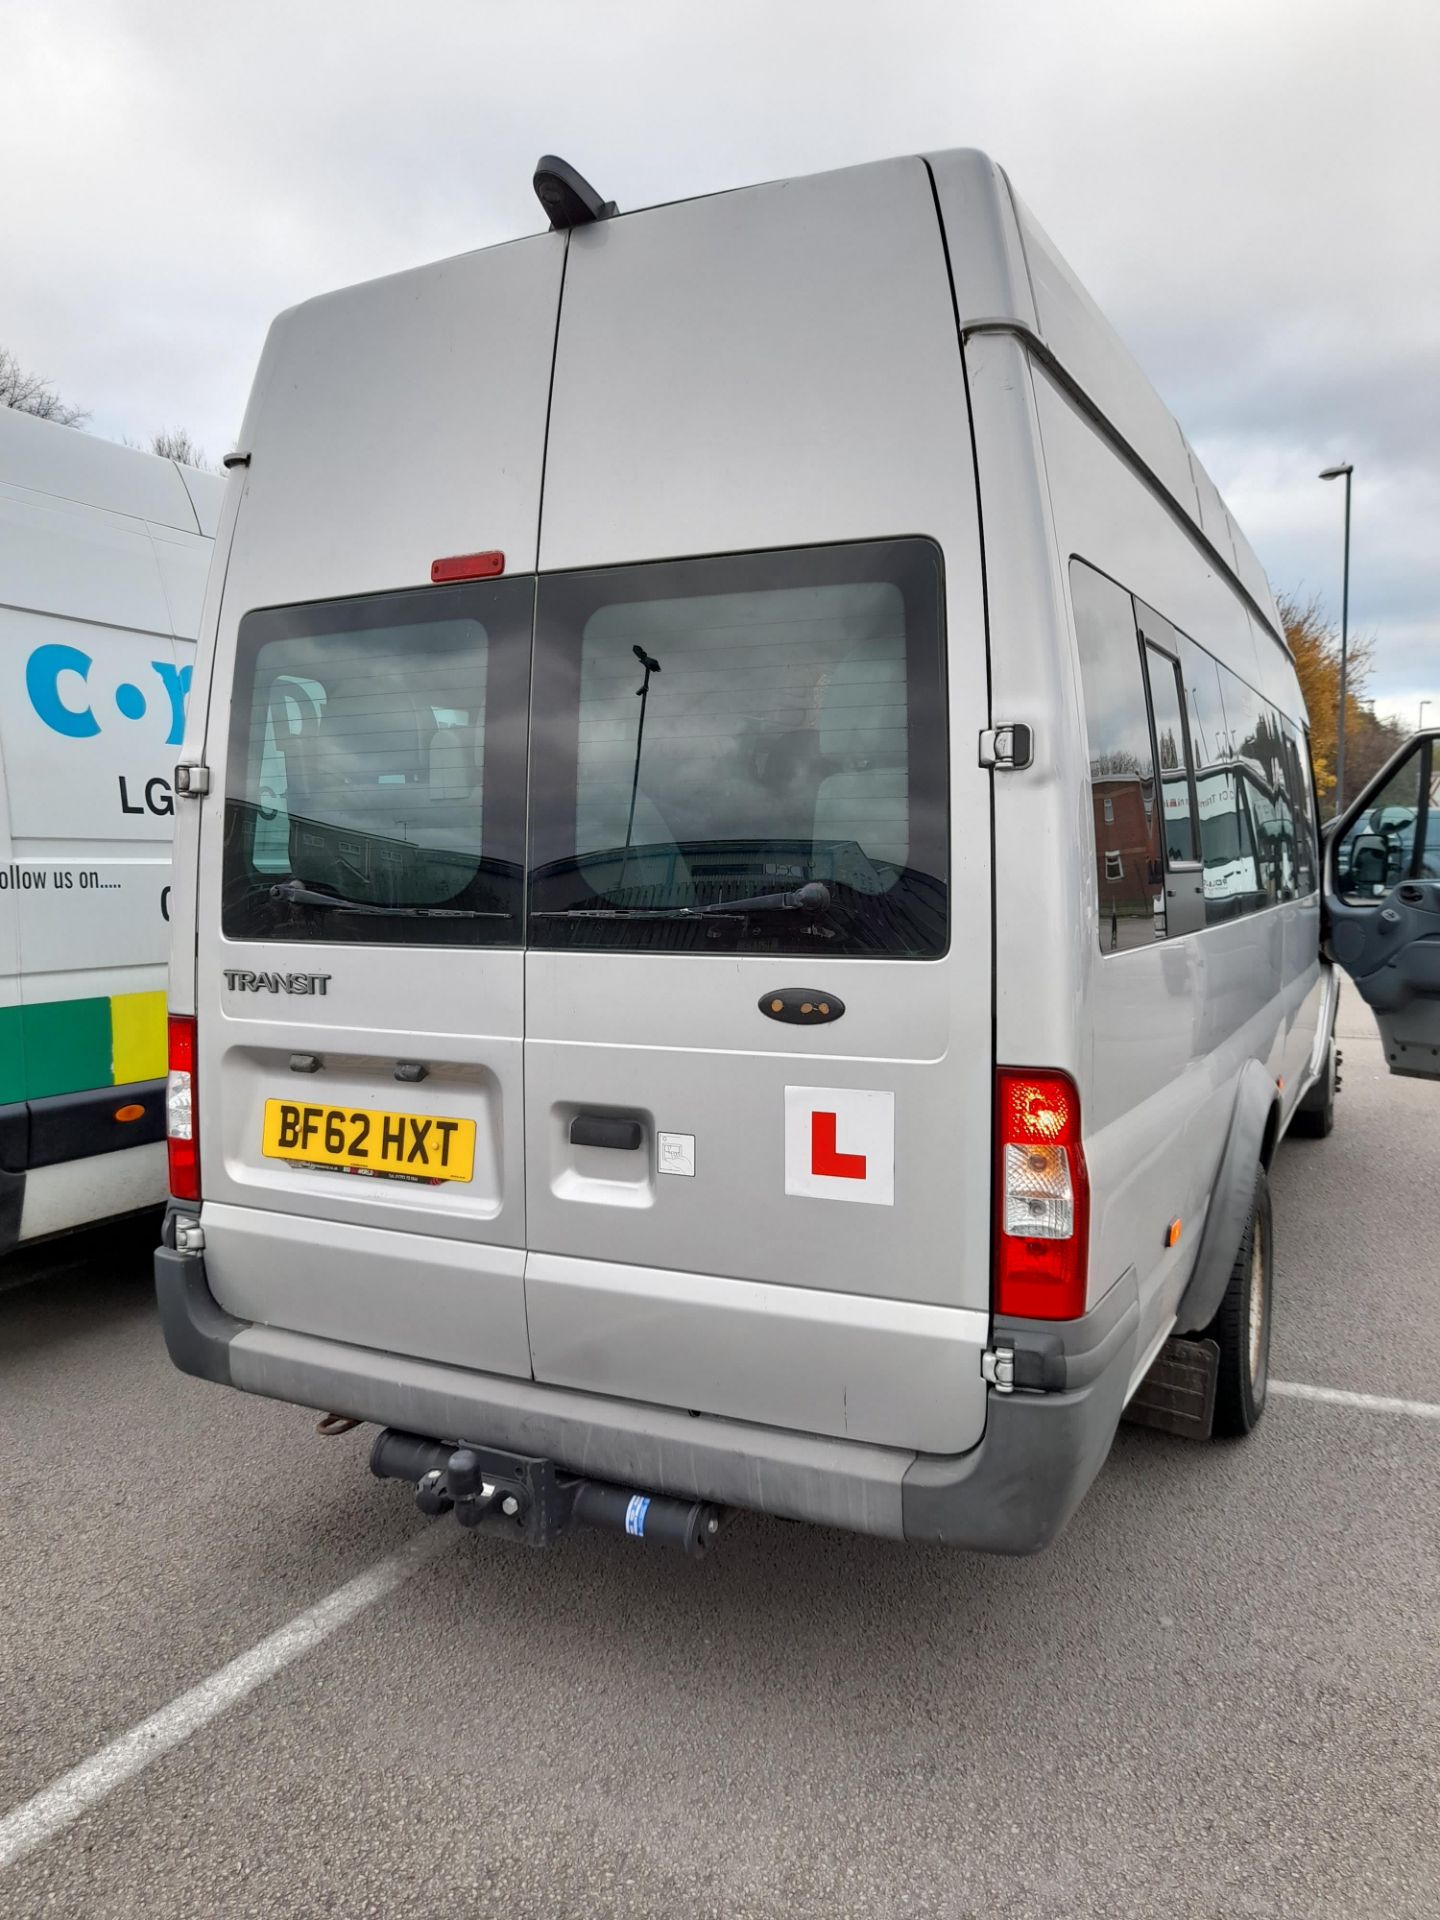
533, 1499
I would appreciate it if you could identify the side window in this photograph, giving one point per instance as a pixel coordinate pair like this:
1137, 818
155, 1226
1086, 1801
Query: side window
1279, 853
1226, 845
1395, 838
1246, 730
1296, 750
1177, 820
1122, 764
1269, 804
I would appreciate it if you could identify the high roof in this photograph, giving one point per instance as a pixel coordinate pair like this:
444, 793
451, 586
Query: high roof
1008, 273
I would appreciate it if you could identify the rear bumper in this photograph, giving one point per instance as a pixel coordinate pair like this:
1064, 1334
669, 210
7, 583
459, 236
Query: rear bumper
1012, 1493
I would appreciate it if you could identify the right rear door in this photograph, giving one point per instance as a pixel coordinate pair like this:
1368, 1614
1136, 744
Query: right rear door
759, 478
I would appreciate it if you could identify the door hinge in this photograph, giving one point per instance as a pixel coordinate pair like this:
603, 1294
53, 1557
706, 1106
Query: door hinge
192, 779
1010, 747
997, 1367
189, 1236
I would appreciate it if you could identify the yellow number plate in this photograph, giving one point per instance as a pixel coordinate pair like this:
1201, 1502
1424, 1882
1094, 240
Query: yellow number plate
402, 1146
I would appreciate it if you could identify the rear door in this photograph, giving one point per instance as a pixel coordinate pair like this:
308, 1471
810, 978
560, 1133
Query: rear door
758, 997
1382, 901
359, 988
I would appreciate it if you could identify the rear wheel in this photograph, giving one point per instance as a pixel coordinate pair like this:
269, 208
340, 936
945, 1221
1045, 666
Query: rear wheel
1242, 1326
1315, 1116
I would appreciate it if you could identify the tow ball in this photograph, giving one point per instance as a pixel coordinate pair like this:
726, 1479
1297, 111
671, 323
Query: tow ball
461, 1486
534, 1500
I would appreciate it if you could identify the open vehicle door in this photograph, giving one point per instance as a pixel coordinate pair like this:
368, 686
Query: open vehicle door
1382, 900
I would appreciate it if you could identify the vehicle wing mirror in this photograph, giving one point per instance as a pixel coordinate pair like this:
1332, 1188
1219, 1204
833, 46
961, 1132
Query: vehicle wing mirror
1363, 865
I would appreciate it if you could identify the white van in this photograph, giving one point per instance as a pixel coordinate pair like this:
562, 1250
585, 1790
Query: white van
749, 921
103, 554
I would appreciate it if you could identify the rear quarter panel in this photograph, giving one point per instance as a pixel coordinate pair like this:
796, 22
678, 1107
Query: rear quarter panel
1157, 1036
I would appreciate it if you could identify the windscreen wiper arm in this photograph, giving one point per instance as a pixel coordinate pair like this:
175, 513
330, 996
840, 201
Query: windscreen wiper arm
811, 898
296, 893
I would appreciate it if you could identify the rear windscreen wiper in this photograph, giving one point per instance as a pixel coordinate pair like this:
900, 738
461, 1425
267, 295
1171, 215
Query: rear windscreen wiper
296, 893
811, 898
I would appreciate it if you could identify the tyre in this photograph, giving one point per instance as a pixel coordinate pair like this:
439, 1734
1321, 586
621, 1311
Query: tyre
1315, 1116
1242, 1326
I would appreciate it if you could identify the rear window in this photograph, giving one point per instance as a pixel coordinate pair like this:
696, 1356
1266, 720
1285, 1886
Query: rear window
713, 738
376, 785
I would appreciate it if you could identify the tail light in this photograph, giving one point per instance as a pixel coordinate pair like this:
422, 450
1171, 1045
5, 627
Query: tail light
182, 1117
1042, 1227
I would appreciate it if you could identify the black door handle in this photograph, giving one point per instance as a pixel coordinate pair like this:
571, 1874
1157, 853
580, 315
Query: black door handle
603, 1130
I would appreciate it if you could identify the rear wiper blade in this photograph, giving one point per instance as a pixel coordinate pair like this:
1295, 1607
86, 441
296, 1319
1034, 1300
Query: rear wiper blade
811, 898
296, 893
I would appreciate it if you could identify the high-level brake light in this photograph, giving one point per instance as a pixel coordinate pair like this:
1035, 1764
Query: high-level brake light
182, 1115
1042, 1225
467, 566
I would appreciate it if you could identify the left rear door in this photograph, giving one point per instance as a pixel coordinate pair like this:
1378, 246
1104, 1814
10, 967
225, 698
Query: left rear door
359, 969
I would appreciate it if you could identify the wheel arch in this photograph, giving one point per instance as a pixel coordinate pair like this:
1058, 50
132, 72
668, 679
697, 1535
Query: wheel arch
1250, 1143
1271, 1137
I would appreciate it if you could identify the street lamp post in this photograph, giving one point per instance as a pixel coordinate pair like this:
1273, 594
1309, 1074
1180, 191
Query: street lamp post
1423, 705
1334, 473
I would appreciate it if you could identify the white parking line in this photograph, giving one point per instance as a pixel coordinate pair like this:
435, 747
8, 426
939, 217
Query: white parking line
1370, 1402
55, 1807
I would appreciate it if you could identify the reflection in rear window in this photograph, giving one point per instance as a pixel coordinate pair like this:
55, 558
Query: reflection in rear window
713, 737
376, 773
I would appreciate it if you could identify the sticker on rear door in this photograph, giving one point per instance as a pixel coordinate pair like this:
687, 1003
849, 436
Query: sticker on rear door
840, 1144
675, 1153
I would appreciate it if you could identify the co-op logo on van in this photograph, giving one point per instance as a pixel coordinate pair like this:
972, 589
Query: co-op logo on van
241, 982
57, 680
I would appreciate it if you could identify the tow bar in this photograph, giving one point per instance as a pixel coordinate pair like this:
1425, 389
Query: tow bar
534, 1500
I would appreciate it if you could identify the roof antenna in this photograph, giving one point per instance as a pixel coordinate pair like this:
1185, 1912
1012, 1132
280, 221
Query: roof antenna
568, 198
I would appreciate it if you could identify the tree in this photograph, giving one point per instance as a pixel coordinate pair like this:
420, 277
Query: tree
1118, 764
1369, 740
175, 443
33, 393
1369, 743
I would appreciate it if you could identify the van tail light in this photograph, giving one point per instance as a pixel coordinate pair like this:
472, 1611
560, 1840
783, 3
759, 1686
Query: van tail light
182, 1115
1042, 1223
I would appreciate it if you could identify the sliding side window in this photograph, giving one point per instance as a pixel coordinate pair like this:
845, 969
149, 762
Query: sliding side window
1299, 780
1248, 722
1128, 871
1179, 826
1227, 841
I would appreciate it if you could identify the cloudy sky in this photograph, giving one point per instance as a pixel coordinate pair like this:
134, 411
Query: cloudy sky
1250, 188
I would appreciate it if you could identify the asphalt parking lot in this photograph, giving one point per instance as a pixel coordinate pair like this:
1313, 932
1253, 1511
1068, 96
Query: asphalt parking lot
1218, 1694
